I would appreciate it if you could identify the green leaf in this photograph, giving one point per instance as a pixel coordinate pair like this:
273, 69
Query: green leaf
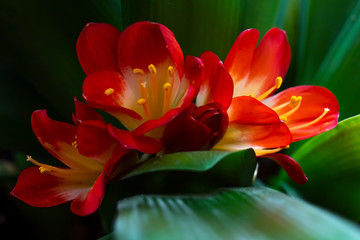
342, 63
320, 23
243, 213
195, 161
331, 162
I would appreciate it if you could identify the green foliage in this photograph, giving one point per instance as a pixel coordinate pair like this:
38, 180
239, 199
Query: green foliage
331, 161
198, 161
243, 213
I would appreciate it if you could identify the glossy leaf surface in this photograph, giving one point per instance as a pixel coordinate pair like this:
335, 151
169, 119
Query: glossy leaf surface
243, 213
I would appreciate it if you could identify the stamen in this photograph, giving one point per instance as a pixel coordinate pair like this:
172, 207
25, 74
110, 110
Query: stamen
171, 71
45, 167
109, 91
143, 92
68, 173
295, 103
261, 152
138, 71
278, 82
153, 72
171, 76
74, 144
141, 101
166, 88
144, 103
44, 170
251, 95
284, 119
152, 69
326, 110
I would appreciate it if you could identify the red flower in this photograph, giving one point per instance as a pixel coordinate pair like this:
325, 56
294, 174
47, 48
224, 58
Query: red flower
90, 155
251, 123
258, 71
139, 76
257, 119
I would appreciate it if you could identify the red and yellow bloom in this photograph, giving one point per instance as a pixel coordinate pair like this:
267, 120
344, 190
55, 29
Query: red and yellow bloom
256, 118
258, 71
90, 157
139, 76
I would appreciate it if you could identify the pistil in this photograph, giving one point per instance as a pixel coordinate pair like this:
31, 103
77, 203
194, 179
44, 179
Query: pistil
322, 115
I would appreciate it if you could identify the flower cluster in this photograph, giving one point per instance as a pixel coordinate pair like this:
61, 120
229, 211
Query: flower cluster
169, 103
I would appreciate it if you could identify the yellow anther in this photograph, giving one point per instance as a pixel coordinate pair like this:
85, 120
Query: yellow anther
138, 71
287, 147
141, 101
75, 144
284, 119
251, 95
171, 70
109, 91
152, 68
166, 86
44, 170
294, 101
278, 82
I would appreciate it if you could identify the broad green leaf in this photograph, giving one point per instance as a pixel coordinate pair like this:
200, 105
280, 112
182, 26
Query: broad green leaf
342, 64
196, 161
331, 161
243, 213
320, 23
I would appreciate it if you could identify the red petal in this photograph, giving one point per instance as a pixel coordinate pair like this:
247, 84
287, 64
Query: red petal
44, 190
217, 85
314, 100
271, 60
85, 113
239, 60
88, 202
184, 133
254, 72
196, 128
291, 167
97, 46
95, 142
145, 43
155, 127
131, 141
119, 102
190, 84
252, 124
58, 138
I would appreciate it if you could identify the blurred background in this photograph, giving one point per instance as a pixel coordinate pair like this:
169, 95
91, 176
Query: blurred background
39, 70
